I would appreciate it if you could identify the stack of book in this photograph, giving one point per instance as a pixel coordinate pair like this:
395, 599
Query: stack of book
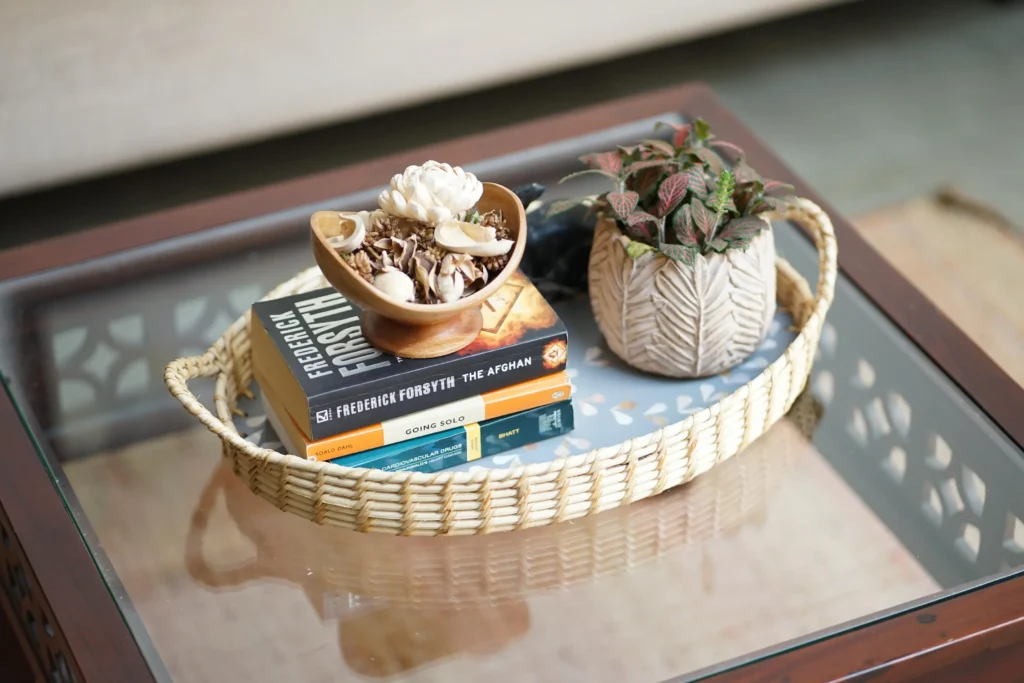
330, 395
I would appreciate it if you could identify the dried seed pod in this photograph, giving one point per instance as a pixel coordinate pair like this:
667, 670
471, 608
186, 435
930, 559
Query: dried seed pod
474, 275
395, 284
409, 247
450, 284
353, 229
423, 266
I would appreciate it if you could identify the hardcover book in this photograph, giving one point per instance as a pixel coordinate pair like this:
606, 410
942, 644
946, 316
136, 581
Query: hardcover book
310, 349
451, 447
514, 399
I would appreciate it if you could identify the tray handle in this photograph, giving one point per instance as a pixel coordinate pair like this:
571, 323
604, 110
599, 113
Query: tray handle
815, 221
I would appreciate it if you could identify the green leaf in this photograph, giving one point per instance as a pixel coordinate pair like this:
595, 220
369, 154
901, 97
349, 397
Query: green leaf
742, 228
623, 203
703, 129
589, 170
697, 184
682, 225
637, 249
650, 163
563, 205
679, 253
661, 147
722, 200
702, 218
671, 193
609, 162
718, 244
638, 217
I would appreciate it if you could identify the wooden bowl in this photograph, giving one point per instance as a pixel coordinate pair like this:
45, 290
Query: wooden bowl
415, 330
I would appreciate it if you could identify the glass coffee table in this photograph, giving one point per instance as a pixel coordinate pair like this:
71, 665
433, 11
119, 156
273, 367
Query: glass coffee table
878, 530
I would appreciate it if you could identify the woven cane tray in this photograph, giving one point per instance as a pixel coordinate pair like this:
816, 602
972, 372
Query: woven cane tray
635, 435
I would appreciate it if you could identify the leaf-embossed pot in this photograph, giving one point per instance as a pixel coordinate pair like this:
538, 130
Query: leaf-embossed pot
670, 319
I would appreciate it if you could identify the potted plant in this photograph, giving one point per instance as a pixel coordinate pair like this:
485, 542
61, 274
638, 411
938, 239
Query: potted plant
682, 268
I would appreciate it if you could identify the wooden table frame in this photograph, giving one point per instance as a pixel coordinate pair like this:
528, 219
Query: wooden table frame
980, 631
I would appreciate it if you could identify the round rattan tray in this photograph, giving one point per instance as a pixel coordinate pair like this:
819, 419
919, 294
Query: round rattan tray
483, 501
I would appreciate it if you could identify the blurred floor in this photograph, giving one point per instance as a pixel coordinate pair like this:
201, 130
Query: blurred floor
872, 102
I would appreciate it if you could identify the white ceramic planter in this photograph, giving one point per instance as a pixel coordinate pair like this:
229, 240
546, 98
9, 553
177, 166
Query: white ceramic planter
662, 317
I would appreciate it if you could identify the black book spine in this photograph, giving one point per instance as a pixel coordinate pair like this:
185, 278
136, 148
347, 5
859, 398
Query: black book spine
339, 411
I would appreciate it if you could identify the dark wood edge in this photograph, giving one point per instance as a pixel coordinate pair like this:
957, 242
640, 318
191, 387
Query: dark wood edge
183, 220
994, 619
65, 572
982, 627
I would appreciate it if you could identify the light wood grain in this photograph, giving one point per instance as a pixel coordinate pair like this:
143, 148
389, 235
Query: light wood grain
964, 257
406, 320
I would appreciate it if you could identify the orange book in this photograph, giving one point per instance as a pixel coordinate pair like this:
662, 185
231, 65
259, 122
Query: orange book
514, 399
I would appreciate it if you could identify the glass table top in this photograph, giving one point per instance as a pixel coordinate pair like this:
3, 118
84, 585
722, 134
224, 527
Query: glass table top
885, 485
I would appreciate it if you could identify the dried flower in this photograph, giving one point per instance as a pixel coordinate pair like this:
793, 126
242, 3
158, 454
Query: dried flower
431, 193
362, 264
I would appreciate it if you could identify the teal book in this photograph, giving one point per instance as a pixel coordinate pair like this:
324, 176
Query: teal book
464, 444
453, 447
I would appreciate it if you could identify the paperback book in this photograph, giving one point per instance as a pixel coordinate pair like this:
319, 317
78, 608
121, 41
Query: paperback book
517, 398
310, 349
448, 448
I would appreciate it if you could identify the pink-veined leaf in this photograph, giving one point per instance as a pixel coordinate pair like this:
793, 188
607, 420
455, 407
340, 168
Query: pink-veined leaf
772, 185
609, 162
671, 193
681, 134
638, 217
679, 253
727, 147
623, 203
745, 173
589, 170
641, 232
711, 158
563, 205
649, 163
645, 182
697, 184
682, 225
702, 218
742, 228
660, 146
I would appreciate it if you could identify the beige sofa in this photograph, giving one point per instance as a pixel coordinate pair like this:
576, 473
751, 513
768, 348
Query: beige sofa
92, 87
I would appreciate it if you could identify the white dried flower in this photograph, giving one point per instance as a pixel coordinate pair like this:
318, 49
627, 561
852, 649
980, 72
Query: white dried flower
395, 284
431, 193
470, 238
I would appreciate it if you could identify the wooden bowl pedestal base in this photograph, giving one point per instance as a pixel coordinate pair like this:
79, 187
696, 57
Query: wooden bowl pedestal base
422, 341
